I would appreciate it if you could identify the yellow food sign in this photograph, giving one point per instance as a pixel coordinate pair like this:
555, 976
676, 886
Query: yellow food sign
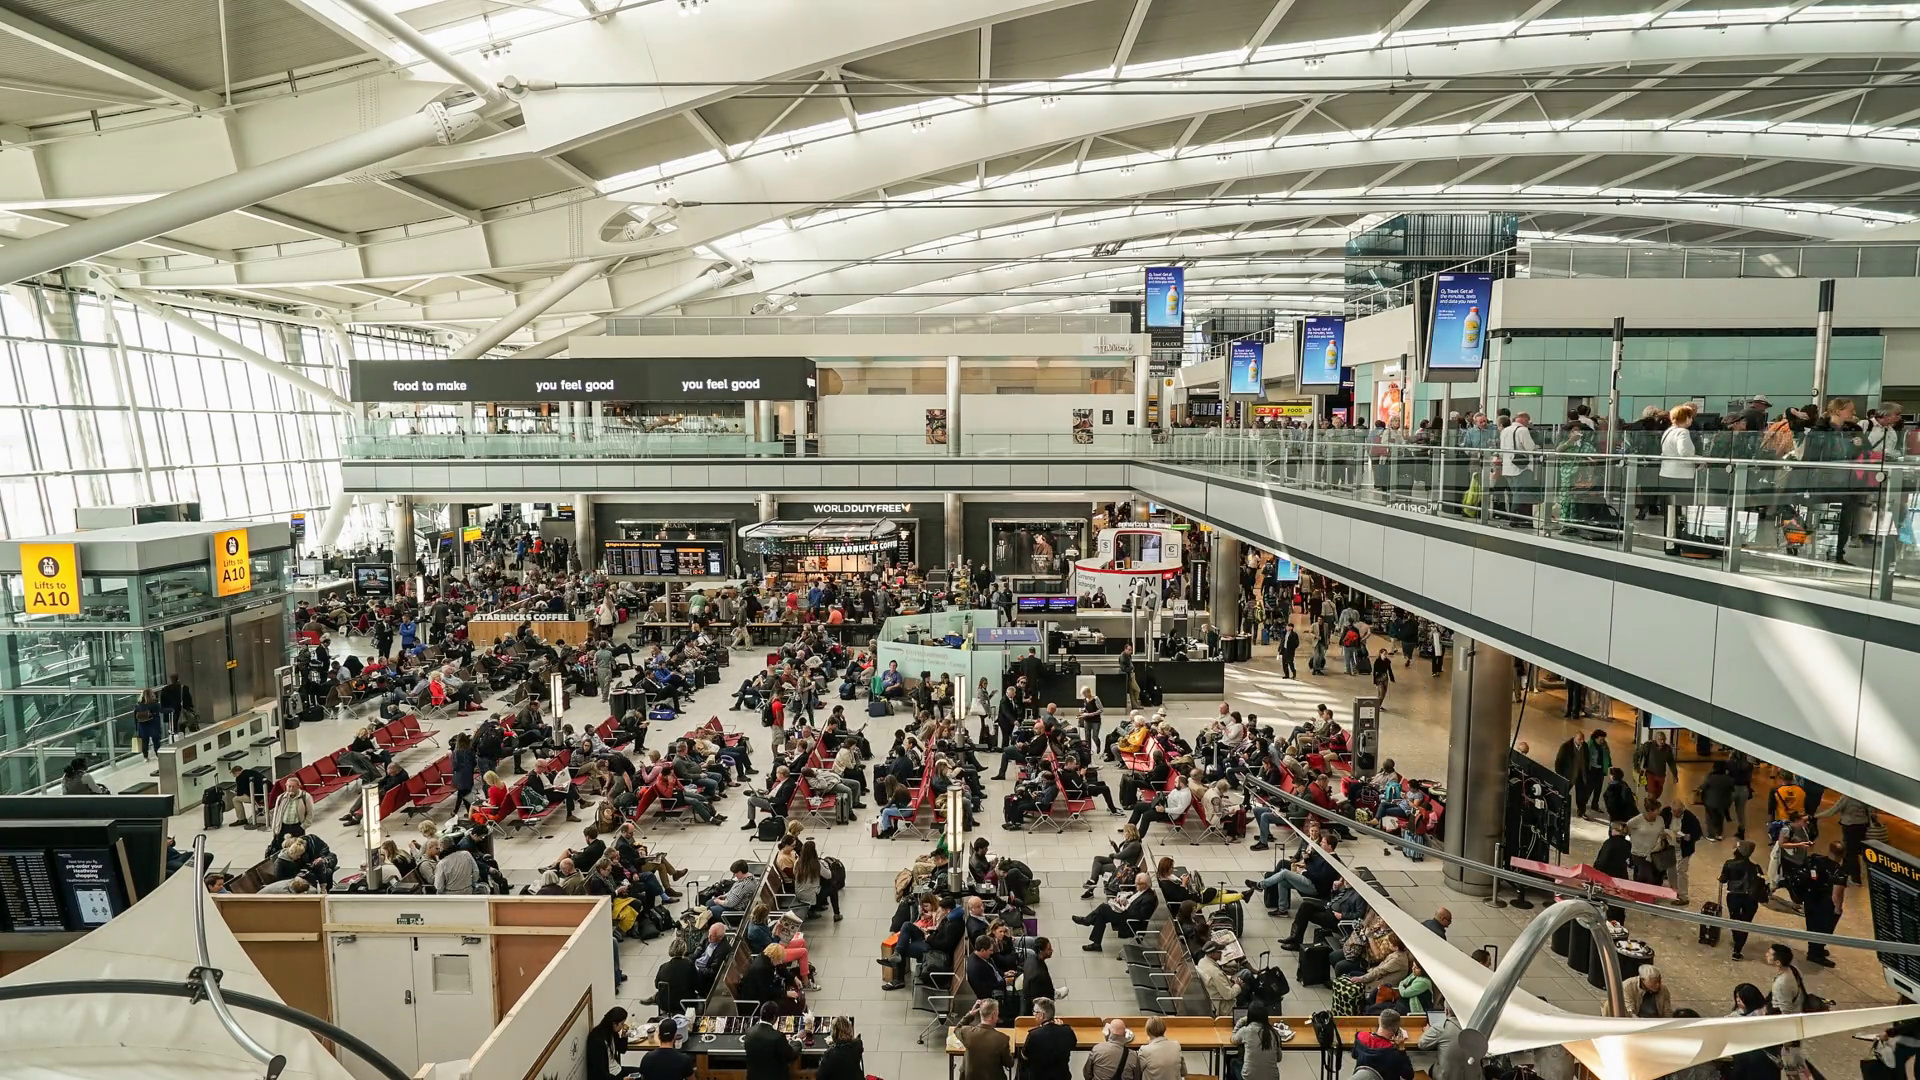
232, 563
52, 576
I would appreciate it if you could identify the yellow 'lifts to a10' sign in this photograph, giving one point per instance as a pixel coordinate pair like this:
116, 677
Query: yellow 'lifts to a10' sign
232, 563
51, 573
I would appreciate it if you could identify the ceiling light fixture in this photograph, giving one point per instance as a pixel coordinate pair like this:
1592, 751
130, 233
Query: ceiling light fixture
1048, 101
921, 123
792, 152
692, 7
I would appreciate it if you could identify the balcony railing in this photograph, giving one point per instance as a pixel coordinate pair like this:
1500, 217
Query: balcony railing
1735, 509
717, 326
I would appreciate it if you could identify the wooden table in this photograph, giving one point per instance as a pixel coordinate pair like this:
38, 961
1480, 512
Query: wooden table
1210, 1034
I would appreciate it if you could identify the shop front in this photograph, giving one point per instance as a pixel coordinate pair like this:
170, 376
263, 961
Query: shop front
804, 547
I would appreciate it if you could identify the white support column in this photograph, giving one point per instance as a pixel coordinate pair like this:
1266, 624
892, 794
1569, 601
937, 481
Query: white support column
680, 294
335, 520
144, 221
533, 307
598, 411
800, 428
122, 381
208, 335
1140, 379
583, 533
403, 555
953, 408
955, 532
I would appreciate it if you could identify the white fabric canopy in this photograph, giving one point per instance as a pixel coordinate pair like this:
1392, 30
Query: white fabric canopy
140, 1037
1615, 1048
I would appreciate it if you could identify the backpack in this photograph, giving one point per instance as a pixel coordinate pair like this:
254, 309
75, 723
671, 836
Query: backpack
626, 914
1351, 637
1326, 1031
771, 828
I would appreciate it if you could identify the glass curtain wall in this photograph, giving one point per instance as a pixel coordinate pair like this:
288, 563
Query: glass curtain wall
102, 406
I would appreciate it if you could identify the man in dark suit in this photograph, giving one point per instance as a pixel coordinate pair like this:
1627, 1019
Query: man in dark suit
1031, 668
983, 977
1047, 1053
989, 1051
769, 1054
1037, 980
1289, 643
1130, 911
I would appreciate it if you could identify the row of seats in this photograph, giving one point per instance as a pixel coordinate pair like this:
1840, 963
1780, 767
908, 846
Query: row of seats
324, 777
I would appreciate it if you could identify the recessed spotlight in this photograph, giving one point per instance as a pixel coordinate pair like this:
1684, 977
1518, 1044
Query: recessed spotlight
921, 123
792, 152
1048, 101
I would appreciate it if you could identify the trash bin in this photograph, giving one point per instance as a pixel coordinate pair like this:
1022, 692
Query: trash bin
285, 764
1579, 947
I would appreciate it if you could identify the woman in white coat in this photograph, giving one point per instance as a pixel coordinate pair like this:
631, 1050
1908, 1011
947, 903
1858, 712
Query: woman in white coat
1678, 463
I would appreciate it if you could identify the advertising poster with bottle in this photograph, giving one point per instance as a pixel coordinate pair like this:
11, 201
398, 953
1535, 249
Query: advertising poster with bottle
1166, 297
1244, 377
1461, 305
1323, 345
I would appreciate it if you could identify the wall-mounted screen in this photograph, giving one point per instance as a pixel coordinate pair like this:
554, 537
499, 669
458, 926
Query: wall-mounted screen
666, 558
1457, 339
1323, 345
372, 579
1244, 375
1166, 297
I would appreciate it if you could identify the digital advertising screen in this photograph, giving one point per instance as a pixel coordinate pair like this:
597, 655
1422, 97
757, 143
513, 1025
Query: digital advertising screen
372, 579
1244, 375
1166, 297
1457, 339
1323, 347
1283, 569
1030, 605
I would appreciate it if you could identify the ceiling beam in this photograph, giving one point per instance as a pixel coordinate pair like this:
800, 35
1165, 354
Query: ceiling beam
1405, 16
1080, 156
1624, 96
1193, 127
48, 89
572, 172
401, 185
986, 60
1407, 106
1701, 107
1475, 171
699, 124
46, 37
846, 102
1267, 26
1540, 7
1826, 178
275, 217
1132, 35
164, 243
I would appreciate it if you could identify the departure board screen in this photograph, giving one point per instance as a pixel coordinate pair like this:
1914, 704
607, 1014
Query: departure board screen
667, 558
1893, 893
29, 899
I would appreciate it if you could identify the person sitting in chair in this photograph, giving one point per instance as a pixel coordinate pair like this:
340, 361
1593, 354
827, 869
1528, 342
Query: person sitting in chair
1126, 912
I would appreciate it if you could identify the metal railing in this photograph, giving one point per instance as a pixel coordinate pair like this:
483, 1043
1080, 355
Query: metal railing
1735, 508
1736, 511
721, 326
1565, 260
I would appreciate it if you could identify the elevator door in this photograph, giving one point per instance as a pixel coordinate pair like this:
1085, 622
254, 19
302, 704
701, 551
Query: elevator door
198, 654
259, 646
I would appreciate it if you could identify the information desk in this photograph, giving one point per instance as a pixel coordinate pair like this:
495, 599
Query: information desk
1205, 1034
484, 631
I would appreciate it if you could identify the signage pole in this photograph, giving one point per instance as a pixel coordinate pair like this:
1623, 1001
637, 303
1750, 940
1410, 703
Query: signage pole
1823, 344
1614, 424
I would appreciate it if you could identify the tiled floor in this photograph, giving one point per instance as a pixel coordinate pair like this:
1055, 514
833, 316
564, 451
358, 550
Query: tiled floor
1414, 732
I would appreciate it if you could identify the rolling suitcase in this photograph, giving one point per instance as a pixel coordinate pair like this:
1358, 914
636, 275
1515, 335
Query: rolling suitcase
213, 806
1710, 935
1316, 965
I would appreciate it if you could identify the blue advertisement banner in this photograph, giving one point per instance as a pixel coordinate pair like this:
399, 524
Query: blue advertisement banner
1166, 297
1244, 377
1323, 347
1461, 306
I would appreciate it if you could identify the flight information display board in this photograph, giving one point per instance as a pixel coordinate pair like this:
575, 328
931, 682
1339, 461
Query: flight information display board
29, 899
667, 558
1893, 894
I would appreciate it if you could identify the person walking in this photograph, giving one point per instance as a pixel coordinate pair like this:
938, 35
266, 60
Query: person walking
1745, 884
1382, 675
1854, 817
1599, 762
1716, 796
1823, 897
1655, 760
1288, 641
293, 809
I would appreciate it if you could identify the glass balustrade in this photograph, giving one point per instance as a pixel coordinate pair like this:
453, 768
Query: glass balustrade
1834, 524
